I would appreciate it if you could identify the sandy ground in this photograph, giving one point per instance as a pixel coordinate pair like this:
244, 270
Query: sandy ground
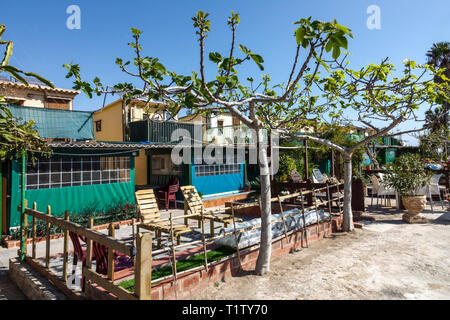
387, 259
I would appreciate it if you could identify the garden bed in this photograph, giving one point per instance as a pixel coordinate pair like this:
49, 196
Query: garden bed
196, 278
184, 265
253, 210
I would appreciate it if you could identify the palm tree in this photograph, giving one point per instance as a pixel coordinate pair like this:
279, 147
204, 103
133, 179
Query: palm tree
438, 121
439, 56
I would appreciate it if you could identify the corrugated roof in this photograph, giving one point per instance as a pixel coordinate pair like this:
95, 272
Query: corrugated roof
91, 144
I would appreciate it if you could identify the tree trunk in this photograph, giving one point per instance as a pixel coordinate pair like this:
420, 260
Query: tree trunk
263, 262
348, 215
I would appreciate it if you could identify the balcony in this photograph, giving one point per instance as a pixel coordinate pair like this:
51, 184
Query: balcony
161, 131
231, 135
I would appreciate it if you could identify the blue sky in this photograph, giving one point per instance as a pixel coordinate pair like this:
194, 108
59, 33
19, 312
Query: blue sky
43, 42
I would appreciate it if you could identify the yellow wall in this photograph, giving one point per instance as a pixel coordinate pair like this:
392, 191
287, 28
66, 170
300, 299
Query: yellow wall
111, 118
140, 168
112, 130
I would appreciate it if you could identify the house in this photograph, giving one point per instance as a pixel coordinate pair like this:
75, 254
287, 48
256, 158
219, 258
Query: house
36, 94
154, 166
82, 175
112, 123
221, 128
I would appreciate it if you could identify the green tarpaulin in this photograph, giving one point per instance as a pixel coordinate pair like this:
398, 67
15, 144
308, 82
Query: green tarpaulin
57, 124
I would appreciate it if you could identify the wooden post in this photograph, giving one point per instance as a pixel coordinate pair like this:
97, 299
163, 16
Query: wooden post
25, 229
306, 160
143, 266
185, 213
174, 265
329, 204
89, 246
111, 232
338, 198
332, 162
284, 221
133, 225
235, 235
317, 212
305, 231
203, 239
47, 241
33, 245
66, 248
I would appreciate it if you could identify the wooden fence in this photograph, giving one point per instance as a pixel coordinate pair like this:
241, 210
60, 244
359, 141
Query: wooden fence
143, 253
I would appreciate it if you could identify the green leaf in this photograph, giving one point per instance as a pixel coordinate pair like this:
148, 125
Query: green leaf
336, 52
244, 49
34, 75
299, 35
329, 45
215, 57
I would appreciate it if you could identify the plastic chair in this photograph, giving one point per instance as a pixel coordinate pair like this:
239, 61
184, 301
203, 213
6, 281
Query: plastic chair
433, 188
79, 254
169, 193
381, 190
121, 261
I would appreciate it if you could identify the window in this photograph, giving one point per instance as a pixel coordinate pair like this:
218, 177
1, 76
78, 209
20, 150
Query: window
202, 170
219, 127
58, 103
98, 125
80, 171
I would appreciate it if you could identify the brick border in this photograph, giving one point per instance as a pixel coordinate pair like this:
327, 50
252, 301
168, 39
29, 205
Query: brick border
195, 280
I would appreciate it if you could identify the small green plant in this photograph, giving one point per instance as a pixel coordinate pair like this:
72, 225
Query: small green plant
216, 284
407, 174
286, 166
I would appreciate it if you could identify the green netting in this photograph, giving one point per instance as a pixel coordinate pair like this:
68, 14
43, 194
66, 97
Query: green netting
57, 124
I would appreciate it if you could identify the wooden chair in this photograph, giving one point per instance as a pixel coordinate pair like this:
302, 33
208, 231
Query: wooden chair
195, 204
150, 217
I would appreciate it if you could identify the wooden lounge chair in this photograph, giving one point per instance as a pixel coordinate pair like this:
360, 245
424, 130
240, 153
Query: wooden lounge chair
195, 205
150, 217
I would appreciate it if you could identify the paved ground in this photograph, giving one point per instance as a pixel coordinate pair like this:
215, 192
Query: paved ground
8, 289
388, 259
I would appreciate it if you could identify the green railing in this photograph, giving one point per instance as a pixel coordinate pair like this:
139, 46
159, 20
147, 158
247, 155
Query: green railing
232, 135
161, 131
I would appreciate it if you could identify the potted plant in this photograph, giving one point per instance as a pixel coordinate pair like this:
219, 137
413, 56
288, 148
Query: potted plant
407, 175
247, 186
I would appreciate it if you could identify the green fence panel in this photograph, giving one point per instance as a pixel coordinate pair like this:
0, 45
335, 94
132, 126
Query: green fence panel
57, 124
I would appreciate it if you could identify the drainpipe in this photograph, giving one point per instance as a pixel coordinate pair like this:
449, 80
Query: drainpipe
22, 205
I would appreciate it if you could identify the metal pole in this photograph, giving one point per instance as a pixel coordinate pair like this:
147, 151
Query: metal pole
1, 198
306, 161
22, 208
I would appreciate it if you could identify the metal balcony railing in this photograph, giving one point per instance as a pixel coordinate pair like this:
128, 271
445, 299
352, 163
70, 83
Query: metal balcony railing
232, 135
162, 131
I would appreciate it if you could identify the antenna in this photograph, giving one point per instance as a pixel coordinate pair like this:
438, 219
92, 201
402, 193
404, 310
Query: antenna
104, 98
